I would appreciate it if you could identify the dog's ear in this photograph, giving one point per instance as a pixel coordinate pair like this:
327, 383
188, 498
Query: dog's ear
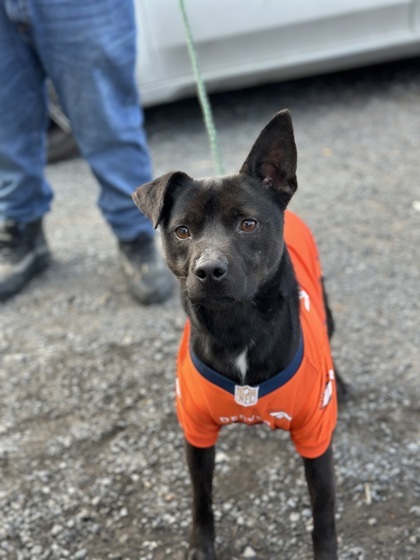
153, 198
273, 157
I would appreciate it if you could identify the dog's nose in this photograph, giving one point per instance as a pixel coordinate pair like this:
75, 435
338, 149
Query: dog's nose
210, 270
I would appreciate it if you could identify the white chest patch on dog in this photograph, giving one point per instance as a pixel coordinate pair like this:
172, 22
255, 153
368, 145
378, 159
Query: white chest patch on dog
241, 363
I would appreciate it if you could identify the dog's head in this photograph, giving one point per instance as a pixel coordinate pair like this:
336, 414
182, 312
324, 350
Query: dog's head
222, 237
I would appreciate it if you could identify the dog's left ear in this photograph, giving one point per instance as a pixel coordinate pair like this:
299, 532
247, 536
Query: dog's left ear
154, 198
273, 157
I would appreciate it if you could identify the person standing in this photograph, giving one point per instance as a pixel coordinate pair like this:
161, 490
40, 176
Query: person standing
88, 51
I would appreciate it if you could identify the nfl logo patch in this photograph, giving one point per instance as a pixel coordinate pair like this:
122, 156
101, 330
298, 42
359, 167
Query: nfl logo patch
246, 395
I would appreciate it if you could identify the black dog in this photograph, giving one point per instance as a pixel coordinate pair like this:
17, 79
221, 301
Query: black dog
258, 321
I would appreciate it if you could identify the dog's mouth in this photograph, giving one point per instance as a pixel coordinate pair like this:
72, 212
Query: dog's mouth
215, 303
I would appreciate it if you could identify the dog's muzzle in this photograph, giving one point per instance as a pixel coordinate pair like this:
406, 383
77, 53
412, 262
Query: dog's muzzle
210, 281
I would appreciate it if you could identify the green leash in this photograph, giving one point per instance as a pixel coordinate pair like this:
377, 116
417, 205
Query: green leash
202, 94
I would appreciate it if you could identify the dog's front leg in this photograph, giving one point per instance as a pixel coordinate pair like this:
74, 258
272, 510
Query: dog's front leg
321, 482
201, 466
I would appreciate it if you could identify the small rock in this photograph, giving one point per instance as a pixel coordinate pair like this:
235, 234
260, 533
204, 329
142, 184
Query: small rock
415, 510
222, 457
294, 517
413, 539
249, 552
56, 530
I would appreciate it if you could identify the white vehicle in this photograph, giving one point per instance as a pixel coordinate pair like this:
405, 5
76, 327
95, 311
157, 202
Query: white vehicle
248, 42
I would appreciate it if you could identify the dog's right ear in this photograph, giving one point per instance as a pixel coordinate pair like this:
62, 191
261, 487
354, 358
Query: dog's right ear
153, 198
273, 157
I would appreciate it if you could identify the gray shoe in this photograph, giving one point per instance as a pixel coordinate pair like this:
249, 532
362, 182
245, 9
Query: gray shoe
23, 254
147, 276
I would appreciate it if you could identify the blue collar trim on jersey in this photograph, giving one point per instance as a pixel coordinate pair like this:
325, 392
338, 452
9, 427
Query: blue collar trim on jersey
265, 387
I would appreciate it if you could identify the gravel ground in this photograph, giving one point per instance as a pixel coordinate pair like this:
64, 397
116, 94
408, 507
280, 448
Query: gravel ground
91, 455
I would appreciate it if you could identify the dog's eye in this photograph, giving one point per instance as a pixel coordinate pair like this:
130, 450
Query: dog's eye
249, 225
182, 232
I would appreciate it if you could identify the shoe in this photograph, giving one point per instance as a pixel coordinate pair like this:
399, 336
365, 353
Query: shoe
147, 276
23, 254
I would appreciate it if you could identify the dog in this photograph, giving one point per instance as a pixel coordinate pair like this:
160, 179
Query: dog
255, 348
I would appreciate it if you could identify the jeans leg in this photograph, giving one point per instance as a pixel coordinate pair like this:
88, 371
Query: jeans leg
89, 49
24, 193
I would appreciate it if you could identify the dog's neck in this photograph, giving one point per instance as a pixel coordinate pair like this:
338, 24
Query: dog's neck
250, 342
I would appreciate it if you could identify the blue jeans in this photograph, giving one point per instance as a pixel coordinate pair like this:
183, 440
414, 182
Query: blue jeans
87, 48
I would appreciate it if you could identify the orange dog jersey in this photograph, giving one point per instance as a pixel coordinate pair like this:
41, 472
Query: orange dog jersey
300, 399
